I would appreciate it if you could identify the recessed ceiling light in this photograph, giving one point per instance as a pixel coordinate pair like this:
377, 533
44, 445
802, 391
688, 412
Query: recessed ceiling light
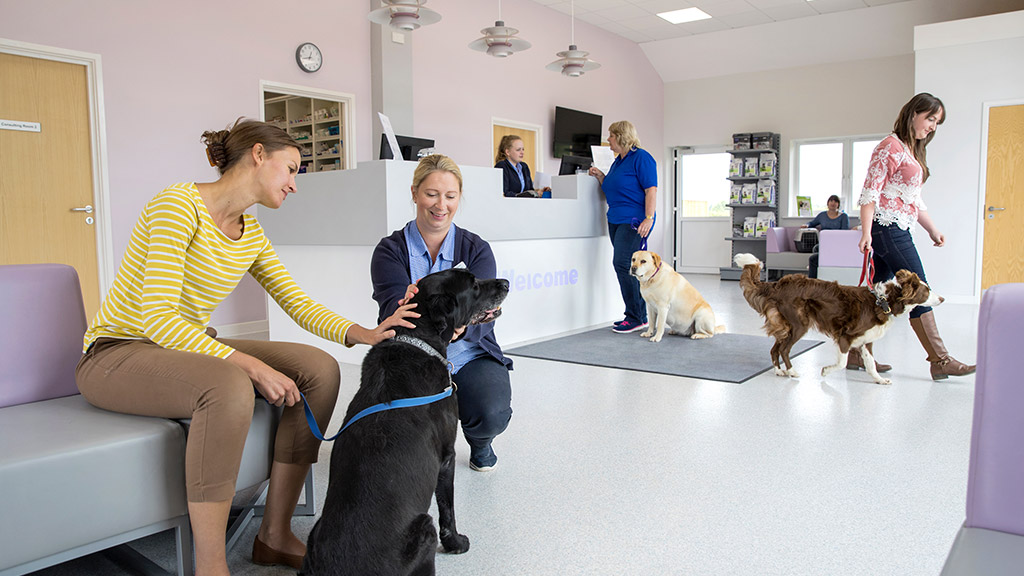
685, 15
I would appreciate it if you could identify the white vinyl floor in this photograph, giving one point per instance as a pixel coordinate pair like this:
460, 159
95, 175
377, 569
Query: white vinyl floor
608, 472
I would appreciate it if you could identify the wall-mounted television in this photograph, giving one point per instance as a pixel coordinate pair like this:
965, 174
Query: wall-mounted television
575, 132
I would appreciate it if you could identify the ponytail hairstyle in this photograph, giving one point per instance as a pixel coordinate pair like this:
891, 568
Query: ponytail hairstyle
904, 126
506, 143
224, 148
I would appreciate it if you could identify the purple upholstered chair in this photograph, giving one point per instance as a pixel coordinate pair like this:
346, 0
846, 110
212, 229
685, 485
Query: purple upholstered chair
839, 258
991, 540
781, 256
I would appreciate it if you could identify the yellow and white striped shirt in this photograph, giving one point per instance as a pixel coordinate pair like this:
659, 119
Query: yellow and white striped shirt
179, 267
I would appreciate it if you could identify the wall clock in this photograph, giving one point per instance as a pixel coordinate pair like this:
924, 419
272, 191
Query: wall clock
308, 57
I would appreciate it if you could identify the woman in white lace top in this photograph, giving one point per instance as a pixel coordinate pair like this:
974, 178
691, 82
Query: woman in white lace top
891, 203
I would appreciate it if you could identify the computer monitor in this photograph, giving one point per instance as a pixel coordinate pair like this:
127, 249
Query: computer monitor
570, 164
409, 146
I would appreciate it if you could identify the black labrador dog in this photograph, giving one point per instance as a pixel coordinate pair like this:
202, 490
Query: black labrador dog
385, 466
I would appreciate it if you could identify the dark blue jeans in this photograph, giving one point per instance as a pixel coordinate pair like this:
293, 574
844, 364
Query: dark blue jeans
625, 241
485, 403
894, 250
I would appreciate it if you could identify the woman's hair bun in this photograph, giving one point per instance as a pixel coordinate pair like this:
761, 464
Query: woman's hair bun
216, 151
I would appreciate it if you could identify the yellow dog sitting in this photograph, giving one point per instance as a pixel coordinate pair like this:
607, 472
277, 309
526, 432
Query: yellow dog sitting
672, 302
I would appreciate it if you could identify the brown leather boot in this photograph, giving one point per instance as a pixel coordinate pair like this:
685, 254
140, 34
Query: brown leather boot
943, 365
856, 362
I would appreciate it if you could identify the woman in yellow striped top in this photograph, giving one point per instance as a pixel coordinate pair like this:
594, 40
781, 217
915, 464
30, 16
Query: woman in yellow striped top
149, 352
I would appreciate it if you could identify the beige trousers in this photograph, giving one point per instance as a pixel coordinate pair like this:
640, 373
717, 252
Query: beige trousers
140, 377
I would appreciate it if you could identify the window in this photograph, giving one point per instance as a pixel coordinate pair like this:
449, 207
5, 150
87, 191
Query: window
704, 189
823, 167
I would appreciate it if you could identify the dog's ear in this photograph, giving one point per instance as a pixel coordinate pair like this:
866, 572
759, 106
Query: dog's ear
909, 283
441, 307
656, 260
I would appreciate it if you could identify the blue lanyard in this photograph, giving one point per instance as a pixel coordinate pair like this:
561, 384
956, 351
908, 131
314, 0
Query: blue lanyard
402, 403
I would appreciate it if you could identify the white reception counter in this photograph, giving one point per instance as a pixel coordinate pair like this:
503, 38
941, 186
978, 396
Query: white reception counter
554, 252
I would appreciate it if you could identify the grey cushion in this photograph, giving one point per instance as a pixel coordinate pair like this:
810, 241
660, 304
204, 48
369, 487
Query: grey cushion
786, 260
71, 473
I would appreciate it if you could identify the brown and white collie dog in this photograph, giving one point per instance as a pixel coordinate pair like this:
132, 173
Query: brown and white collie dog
851, 316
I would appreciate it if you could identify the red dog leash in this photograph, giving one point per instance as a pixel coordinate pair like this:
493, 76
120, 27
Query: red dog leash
868, 270
868, 273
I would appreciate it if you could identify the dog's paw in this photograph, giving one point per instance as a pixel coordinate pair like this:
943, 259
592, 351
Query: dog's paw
780, 371
646, 334
656, 338
793, 373
883, 381
455, 544
699, 336
826, 370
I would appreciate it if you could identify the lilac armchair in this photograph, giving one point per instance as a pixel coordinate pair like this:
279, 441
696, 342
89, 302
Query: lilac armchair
839, 258
991, 540
781, 256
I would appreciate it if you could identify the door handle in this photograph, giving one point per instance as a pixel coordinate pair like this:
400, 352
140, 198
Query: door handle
88, 209
994, 209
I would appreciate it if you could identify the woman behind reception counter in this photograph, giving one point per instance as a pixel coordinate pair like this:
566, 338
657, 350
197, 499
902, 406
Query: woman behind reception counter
515, 172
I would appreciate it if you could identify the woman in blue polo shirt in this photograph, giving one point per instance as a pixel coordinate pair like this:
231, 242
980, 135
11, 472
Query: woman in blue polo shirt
631, 189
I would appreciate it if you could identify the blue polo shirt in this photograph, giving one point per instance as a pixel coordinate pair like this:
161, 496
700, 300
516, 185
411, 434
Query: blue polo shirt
459, 353
624, 185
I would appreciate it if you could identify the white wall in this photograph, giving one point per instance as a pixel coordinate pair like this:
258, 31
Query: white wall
835, 99
966, 63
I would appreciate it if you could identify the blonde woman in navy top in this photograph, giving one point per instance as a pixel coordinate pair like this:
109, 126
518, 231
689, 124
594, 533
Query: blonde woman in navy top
631, 189
516, 180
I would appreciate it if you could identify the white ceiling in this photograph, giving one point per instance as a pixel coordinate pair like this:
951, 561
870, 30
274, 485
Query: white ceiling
637, 20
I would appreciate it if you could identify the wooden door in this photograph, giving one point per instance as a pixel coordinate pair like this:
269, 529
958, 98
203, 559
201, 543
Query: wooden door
1002, 260
43, 175
529, 138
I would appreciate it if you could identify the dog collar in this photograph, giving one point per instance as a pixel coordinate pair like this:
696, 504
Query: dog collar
426, 348
882, 303
655, 273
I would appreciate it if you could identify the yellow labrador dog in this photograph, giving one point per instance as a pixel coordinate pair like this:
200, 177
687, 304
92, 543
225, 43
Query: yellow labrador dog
672, 302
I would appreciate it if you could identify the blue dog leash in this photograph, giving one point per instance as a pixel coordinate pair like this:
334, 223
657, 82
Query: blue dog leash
401, 403
635, 225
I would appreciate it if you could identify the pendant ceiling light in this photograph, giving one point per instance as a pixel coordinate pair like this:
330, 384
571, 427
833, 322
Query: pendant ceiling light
499, 40
405, 15
573, 62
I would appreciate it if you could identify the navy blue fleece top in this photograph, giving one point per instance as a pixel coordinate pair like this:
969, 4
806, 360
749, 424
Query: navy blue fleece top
389, 272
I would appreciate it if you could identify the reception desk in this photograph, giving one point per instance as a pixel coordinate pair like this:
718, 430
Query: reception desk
554, 251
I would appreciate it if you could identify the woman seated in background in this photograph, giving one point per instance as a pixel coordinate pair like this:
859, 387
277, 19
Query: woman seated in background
432, 243
831, 219
515, 172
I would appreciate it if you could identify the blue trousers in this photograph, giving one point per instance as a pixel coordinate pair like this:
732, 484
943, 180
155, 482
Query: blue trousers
625, 241
485, 400
894, 250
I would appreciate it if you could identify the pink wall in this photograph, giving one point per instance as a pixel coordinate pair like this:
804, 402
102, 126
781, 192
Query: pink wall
174, 69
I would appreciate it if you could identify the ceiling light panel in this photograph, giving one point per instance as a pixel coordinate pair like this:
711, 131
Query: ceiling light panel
685, 15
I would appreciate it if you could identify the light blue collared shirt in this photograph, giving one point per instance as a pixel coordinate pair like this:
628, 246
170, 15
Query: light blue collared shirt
462, 352
519, 171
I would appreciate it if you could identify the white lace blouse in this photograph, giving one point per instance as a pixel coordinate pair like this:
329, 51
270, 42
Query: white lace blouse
893, 184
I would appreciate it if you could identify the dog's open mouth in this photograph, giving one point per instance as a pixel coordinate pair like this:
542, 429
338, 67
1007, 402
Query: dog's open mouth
486, 316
